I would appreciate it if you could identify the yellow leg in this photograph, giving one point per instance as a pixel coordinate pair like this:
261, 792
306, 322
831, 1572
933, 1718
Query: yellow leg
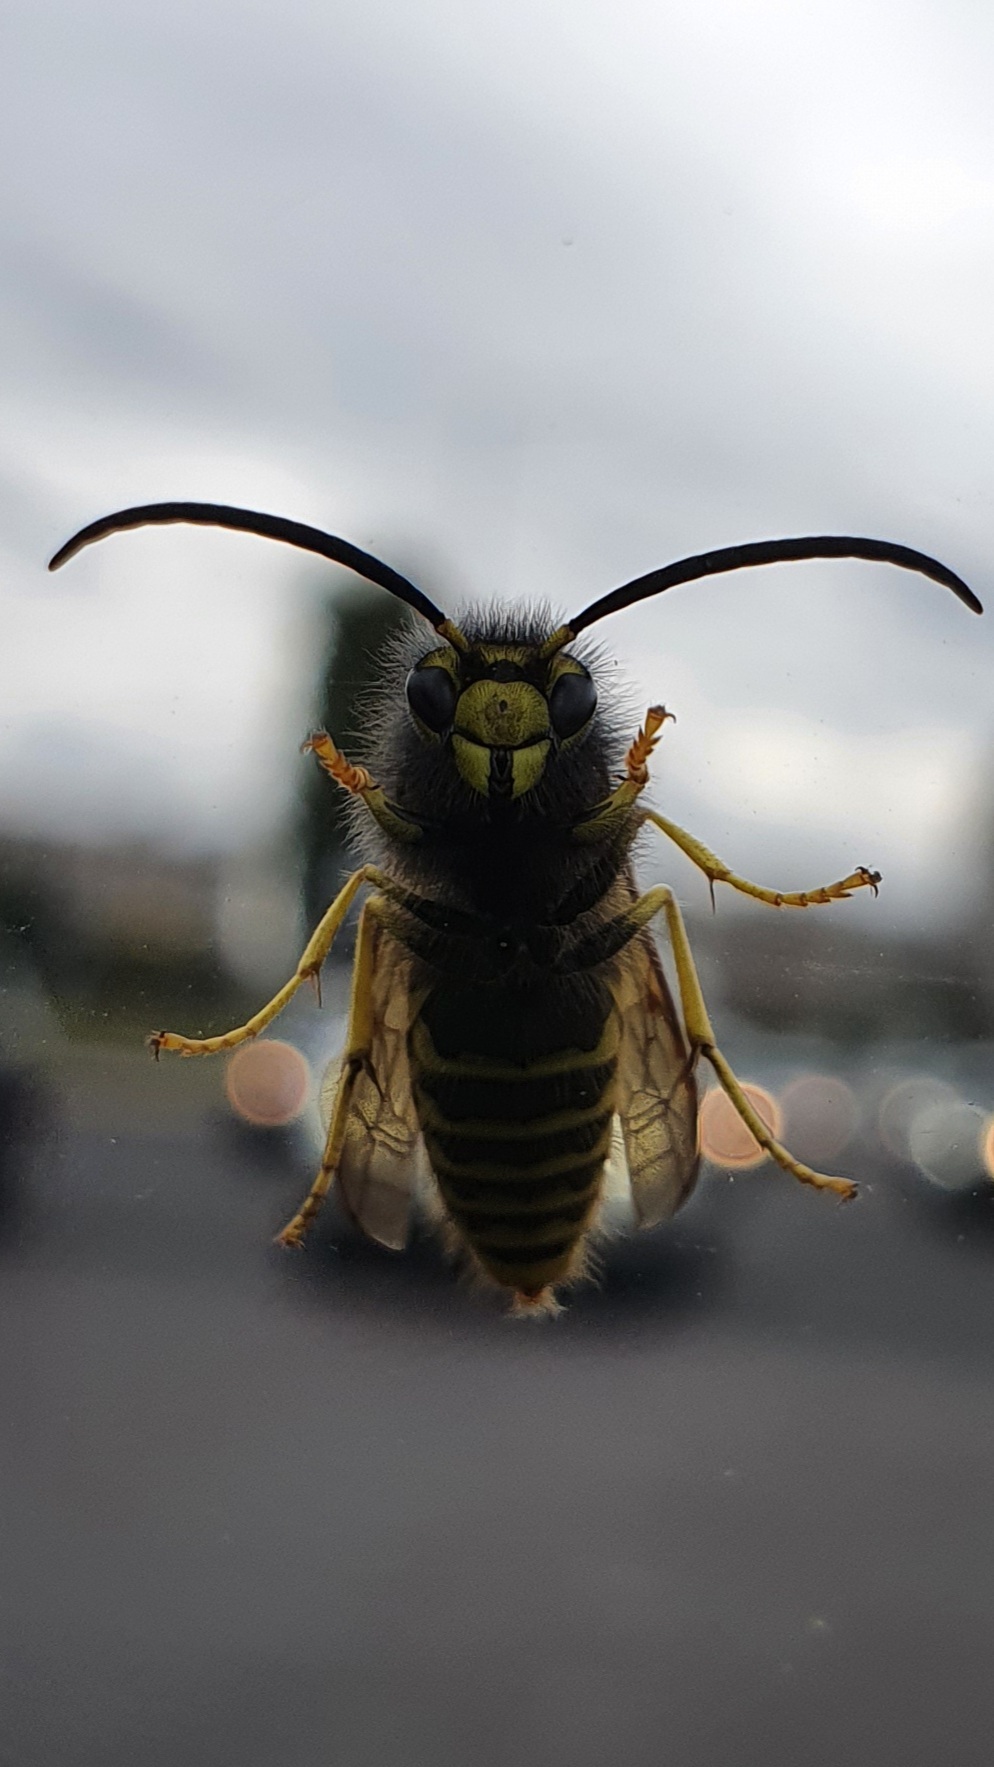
309, 966
612, 813
701, 1037
358, 1043
716, 871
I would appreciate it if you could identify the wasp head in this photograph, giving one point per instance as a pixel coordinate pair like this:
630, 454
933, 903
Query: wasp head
502, 709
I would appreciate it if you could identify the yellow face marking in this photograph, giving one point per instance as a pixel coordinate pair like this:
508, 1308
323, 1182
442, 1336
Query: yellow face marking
564, 665
562, 635
442, 658
527, 767
501, 737
450, 631
511, 716
502, 714
505, 653
473, 762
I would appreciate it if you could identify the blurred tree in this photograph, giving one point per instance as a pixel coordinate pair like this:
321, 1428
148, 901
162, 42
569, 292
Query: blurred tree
358, 623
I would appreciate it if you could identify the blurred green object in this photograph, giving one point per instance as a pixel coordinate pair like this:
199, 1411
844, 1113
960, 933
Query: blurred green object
359, 624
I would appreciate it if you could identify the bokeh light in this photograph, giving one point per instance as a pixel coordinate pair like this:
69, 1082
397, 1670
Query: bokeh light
987, 1148
268, 1083
819, 1115
725, 1140
903, 1103
946, 1141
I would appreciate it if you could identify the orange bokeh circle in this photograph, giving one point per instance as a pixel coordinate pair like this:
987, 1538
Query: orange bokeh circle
725, 1140
268, 1083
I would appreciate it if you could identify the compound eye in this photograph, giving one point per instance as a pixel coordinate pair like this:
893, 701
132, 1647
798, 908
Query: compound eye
431, 695
571, 704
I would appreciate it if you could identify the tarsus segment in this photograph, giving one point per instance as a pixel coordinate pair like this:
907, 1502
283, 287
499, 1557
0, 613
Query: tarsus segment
315, 952
716, 871
700, 1036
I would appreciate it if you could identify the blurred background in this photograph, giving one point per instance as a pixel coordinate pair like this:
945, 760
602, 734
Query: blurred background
527, 299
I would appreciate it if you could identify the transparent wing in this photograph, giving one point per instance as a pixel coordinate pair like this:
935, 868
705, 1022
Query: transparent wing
382, 1160
657, 1094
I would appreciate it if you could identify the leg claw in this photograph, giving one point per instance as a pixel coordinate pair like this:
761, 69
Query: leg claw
292, 1235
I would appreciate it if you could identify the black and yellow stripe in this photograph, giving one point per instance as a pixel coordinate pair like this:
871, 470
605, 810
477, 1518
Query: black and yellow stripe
514, 1091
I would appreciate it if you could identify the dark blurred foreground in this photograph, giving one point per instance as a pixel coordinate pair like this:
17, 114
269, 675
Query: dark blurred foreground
733, 1508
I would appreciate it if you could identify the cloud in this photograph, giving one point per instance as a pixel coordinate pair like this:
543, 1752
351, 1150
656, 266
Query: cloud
535, 297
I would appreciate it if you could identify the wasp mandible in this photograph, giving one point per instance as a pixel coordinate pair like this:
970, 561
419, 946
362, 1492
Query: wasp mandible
510, 1025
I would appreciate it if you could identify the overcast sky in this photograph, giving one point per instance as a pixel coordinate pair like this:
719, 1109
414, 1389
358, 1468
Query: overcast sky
528, 297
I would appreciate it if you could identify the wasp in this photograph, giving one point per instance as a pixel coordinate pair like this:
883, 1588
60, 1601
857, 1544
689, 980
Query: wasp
510, 1025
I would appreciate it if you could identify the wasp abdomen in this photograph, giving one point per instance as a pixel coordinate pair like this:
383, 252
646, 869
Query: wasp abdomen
514, 1091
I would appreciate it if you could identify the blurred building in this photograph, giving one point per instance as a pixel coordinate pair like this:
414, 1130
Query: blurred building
791, 970
359, 624
115, 931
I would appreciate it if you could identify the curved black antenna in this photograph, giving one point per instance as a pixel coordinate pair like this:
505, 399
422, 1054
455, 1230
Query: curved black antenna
735, 558
271, 527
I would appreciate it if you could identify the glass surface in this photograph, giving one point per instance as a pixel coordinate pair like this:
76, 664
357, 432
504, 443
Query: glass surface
527, 299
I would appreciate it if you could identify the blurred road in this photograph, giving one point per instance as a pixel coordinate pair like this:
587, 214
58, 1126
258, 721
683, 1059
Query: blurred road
734, 1509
